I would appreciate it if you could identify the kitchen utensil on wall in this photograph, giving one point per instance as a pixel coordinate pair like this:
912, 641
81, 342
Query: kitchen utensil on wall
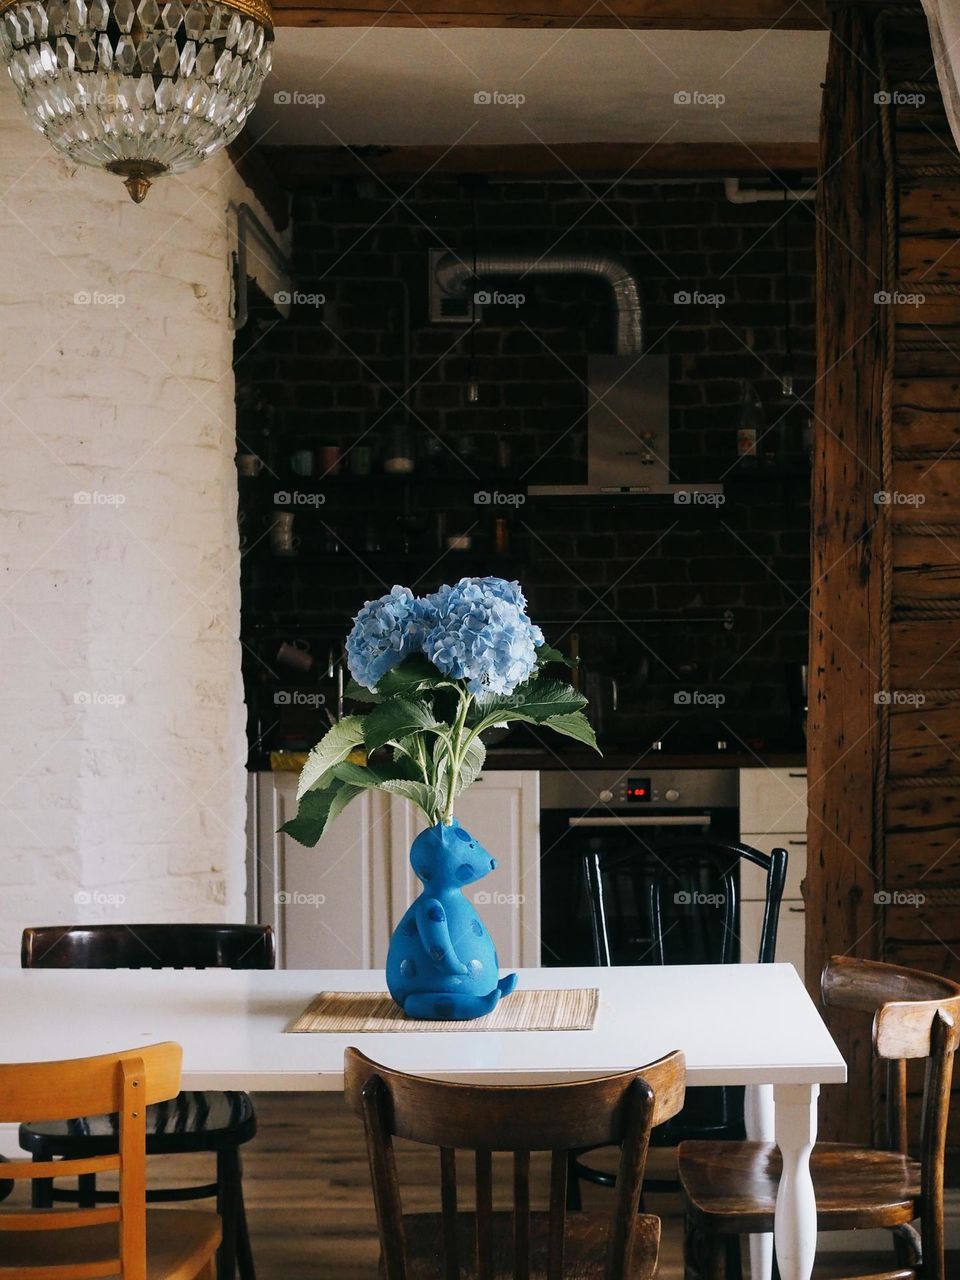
361, 459
296, 654
248, 464
331, 458
283, 541
302, 462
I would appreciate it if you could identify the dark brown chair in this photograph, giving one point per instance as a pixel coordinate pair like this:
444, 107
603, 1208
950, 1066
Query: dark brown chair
211, 1121
730, 1188
521, 1244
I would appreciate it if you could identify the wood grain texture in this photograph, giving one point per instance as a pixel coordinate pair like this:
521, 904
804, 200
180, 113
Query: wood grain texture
844, 740
617, 1110
726, 15
926, 567
300, 166
930, 487
925, 654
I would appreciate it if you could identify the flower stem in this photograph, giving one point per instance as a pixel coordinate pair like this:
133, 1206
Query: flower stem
456, 755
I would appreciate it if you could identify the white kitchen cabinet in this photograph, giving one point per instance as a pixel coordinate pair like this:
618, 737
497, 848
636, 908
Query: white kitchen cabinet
773, 815
335, 906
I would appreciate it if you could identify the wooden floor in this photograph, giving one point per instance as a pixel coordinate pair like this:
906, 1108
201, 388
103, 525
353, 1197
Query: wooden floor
308, 1192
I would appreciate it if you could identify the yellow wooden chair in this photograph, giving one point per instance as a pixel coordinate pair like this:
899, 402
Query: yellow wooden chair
120, 1240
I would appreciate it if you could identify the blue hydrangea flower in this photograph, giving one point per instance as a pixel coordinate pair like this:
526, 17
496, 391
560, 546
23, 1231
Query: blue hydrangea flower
481, 634
384, 632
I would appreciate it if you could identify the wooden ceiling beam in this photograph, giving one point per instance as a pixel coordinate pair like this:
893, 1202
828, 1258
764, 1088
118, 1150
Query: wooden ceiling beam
694, 15
296, 167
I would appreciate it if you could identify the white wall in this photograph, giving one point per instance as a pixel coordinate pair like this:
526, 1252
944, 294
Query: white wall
121, 705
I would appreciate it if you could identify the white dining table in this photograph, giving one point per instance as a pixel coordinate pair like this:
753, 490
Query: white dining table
753, 1025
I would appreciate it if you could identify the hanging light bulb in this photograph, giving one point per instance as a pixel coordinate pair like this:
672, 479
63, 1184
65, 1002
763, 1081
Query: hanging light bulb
137, 88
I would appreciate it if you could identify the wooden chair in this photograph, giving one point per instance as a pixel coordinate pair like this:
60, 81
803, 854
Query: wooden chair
210, 1121
521, 1244
706, 873
121, 1240
731, 1188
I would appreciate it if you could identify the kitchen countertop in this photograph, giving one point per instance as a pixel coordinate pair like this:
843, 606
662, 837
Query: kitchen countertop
620, 758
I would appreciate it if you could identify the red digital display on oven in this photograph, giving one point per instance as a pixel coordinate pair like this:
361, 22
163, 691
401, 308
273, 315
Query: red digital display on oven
638, 790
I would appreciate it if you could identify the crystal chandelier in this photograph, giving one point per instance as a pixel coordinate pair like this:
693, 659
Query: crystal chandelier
140, 89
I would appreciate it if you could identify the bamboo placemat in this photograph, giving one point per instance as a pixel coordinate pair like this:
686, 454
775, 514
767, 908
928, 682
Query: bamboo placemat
558, 1010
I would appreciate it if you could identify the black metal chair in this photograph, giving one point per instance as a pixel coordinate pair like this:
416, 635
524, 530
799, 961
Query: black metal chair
670, 903
208, 1121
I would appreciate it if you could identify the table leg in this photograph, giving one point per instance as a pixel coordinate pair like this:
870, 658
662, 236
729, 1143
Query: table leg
758, 1121
795, 1221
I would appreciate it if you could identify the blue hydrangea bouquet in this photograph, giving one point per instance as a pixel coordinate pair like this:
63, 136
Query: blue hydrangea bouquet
435, 673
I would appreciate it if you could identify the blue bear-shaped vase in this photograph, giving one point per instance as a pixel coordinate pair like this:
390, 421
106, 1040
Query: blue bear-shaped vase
442, 963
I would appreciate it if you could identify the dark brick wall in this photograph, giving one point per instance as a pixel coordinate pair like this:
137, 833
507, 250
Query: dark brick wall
660, 576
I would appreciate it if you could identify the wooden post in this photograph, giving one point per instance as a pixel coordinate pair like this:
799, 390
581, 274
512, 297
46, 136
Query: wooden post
844, 738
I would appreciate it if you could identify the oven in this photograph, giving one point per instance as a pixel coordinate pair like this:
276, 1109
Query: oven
615, 823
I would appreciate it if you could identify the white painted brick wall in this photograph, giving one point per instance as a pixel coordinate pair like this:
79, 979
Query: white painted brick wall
122, 784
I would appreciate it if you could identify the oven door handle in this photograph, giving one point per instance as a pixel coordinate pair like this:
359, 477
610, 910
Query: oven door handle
645, 820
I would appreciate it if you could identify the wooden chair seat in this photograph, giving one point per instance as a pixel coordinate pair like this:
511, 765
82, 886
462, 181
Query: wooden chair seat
180, 1243
731, 1187
585, 1246
858, 1266
193, 1121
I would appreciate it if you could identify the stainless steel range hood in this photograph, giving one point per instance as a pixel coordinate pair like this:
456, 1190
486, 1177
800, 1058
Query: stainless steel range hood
628, 434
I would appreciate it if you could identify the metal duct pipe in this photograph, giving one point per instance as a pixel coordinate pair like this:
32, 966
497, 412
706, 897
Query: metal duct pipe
454, 277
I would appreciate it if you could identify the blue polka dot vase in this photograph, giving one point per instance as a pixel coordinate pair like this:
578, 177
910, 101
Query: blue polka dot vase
442, 963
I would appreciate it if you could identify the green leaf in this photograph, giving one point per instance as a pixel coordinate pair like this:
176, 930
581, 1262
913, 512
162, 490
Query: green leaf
317, 810
395, 719
423, 796
472, 765
546, 653
334, 746
408, 756
534, 701
366, 776
360, 693
412, 675
574, 725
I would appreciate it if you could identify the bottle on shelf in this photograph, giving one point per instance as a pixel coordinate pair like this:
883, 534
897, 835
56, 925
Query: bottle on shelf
750, 427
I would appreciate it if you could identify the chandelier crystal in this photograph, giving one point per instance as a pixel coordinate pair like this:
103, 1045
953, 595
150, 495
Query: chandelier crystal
134, 86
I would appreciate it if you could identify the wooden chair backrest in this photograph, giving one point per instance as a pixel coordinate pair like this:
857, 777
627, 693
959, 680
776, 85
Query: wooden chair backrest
916, 1015
149, 946
662, 874
126, 1083
617, 1109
